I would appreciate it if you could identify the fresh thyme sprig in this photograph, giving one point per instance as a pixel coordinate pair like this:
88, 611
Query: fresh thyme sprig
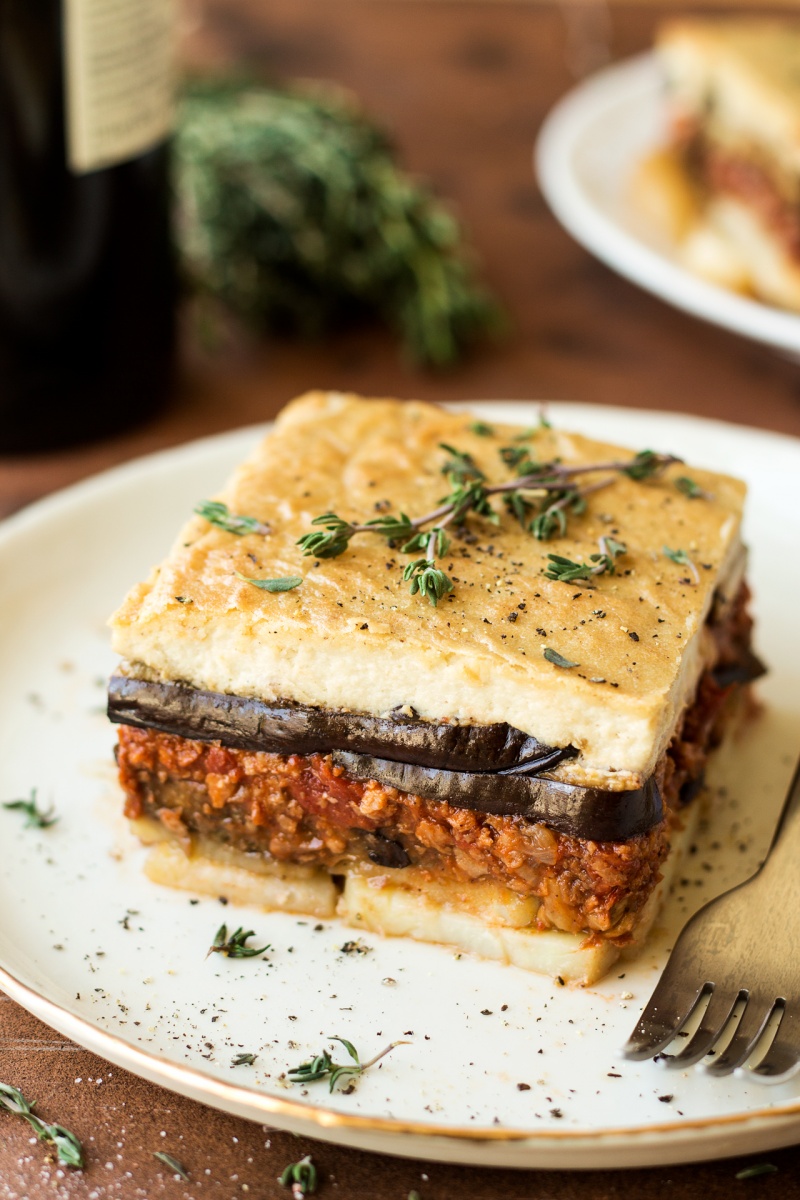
301, 1177
567, 571
66, 1145
551, 486
217, 513
243, 1060
235, 946
322, 1065
36, 818
173, 1164
682, 559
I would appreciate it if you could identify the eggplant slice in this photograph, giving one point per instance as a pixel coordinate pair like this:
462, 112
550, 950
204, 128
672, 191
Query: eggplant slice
494, 769
488, 768
286, 728
582, 812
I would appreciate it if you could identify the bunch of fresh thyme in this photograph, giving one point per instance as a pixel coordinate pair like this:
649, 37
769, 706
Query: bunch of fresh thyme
293, 214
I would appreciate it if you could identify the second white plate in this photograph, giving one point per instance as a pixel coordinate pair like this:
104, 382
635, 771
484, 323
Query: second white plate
587, 150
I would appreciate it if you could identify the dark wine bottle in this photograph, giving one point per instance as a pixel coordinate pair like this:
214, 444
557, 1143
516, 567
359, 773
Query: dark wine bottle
87, 279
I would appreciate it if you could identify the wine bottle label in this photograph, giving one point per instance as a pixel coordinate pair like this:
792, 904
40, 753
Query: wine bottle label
118, 78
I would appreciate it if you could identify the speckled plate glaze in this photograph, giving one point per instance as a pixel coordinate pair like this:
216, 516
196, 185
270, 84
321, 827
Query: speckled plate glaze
587, 151
502, 1067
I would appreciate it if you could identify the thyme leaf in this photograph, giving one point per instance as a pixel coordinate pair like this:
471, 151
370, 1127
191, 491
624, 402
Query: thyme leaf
557, 659
66, 1145
422, 541
481, 429
330, 544
13, 1101
460, 466
470, 496
243, 1060
429, 580
36, 818
283, 583
322, 1065
553, 518
689, 487
521, 507
682, 559
567, 571
392, 528
309, 1072
756, 1170
644, 465
172, 1163
217, 513
235, 946
301, 1177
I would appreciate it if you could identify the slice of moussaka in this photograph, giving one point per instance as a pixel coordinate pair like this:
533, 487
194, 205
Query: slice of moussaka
448, 680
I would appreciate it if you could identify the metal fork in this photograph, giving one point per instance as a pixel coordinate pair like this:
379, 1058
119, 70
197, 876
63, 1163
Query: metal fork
742, 948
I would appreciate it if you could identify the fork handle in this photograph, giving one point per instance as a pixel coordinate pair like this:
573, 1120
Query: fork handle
784, 852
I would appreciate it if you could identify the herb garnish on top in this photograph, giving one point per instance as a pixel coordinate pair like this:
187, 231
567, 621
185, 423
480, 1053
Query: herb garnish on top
541, 497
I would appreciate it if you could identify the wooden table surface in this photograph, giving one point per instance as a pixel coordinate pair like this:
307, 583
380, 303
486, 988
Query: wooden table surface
464, 88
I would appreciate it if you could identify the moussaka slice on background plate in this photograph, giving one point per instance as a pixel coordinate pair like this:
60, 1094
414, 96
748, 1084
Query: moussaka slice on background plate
445, 679
726, 186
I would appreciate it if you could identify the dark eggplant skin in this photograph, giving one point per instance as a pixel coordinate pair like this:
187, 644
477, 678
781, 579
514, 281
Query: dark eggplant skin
385, 851
746, 670
486, 768
587, 813
286, 728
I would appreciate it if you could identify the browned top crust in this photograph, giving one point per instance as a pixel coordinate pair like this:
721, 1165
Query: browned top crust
352, 637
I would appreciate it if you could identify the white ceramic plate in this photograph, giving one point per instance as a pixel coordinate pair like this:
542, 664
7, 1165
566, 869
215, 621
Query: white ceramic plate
118, 964
587, 150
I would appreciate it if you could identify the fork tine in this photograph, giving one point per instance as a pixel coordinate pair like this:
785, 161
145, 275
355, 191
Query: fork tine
781, 1062
751, 1025
669, 1007
714, 1020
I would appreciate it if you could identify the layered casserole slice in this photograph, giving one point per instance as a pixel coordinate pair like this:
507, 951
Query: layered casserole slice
727, 186
445, 679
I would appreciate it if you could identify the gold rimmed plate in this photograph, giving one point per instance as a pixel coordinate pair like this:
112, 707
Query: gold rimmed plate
88, 944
